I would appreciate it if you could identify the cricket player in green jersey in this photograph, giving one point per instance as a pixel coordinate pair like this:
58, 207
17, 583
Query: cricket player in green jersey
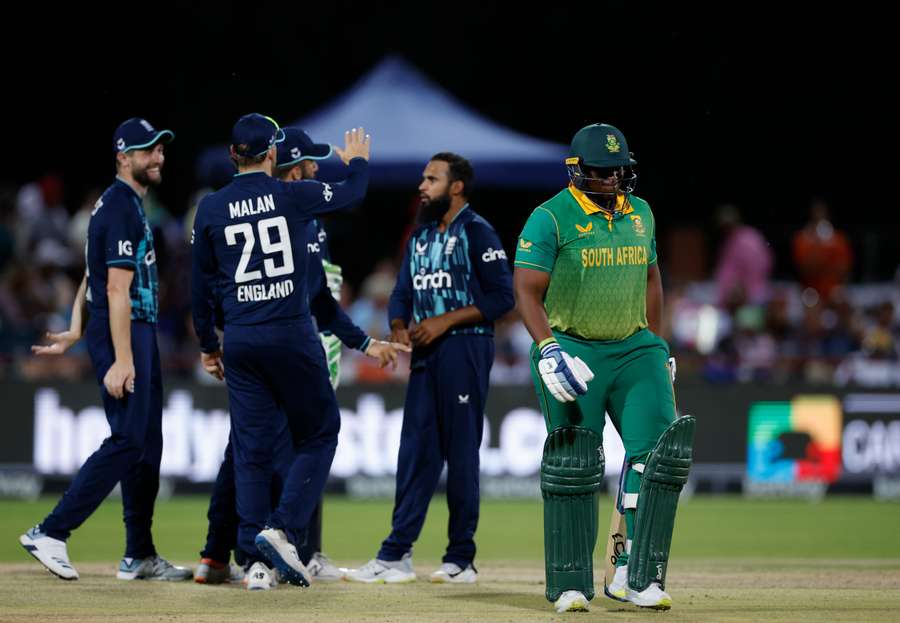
590, 294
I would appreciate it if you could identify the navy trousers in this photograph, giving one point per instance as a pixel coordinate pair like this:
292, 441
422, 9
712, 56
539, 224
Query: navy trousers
277, 374
132, 452
221, 537
443, 420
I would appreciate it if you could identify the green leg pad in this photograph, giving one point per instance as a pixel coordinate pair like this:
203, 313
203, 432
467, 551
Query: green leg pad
571, 473
665, 473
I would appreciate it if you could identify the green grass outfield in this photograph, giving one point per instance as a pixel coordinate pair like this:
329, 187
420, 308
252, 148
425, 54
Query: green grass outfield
732, 560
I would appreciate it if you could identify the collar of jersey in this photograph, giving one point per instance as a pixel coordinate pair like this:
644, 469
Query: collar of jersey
461, 210
130, 189
589, 207
248, 173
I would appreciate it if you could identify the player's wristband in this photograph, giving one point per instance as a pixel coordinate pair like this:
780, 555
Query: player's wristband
365, 345
544, 344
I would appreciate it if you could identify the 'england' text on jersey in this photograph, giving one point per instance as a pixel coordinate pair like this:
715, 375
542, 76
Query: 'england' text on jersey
262, 292
249, 207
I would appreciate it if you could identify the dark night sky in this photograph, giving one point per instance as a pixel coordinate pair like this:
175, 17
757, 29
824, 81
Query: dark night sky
748, 108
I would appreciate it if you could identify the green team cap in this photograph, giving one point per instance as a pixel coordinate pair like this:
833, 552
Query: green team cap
600, 145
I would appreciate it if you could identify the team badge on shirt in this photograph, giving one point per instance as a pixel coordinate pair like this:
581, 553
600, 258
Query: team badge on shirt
637, 223
451, 244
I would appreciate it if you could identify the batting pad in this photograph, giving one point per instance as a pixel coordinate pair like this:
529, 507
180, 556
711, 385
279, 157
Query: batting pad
571, 473
665, 473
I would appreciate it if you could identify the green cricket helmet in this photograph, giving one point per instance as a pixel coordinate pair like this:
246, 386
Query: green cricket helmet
602, 147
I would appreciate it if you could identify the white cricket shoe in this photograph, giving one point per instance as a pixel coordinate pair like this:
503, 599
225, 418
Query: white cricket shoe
51, 553
321, 568
260, 578
384, 571
618, 588
571, 601
651, 597
275, 546
452, 573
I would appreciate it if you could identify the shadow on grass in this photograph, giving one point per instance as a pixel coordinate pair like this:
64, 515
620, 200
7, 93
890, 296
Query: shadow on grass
523, 601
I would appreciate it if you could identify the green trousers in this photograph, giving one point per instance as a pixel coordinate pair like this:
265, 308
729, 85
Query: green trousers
633, 384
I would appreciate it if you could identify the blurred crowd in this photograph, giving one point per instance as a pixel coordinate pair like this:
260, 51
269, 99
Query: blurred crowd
729, 322
743, 327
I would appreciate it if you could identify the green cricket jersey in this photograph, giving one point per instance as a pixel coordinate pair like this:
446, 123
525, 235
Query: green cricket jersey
597, 264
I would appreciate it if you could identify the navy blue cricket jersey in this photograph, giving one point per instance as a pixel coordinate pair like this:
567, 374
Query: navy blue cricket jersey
119, 236
250, 247
444, 271
330, 317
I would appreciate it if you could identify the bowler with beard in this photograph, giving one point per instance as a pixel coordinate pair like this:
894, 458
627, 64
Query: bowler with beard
120, 288
454, 282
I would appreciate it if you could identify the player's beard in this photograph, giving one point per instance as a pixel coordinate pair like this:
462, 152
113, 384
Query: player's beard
143, 178
433, 209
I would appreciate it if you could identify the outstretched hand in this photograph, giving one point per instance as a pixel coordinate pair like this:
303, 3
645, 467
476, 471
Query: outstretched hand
386, 352
59, 343
356, 145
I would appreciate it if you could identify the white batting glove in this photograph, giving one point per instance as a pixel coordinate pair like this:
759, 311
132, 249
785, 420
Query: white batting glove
565, 376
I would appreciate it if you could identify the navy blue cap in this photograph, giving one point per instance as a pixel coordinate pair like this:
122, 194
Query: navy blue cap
137, 133
297, 146
254, 134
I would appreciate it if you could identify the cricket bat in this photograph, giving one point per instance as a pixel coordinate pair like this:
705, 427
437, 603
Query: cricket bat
615, 539
615, 544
